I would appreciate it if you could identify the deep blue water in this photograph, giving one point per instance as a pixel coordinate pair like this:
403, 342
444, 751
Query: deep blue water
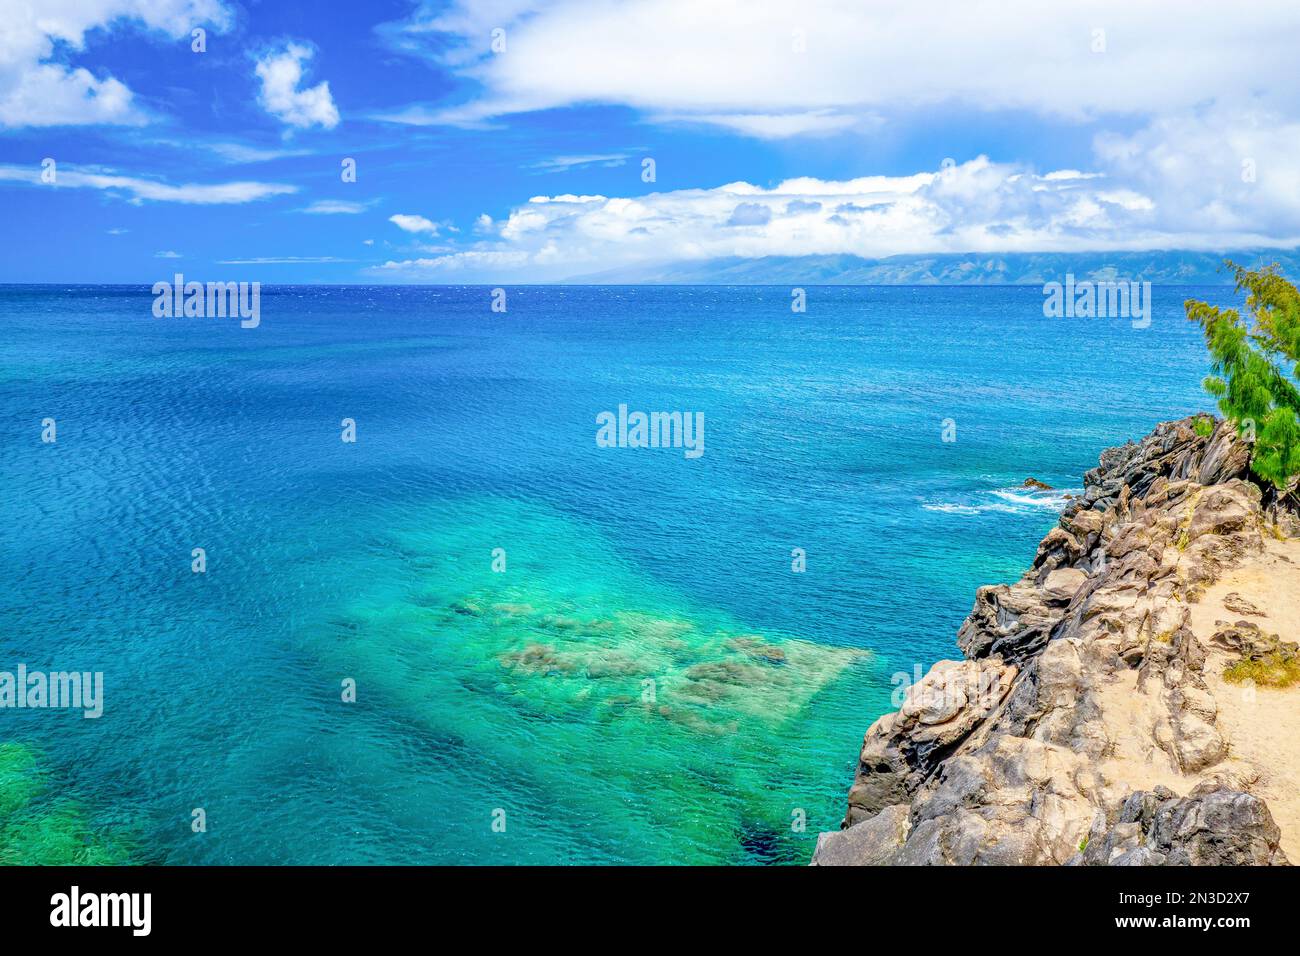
523, 691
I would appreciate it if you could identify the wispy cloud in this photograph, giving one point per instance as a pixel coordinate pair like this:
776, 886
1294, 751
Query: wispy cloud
138, 190
562, 164
828, 65
337, 207
241, 154
281, 261
167, 254
778, 125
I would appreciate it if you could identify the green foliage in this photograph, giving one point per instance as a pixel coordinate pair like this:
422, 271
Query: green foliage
1256, 367
1203, 426
1271, 670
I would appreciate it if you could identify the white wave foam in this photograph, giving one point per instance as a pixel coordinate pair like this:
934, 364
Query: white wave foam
1017, 501
1039, 498
959, 509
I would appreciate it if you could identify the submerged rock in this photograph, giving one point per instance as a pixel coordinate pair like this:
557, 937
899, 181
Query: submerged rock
1081, 679
538, 659
704, 680
40, 826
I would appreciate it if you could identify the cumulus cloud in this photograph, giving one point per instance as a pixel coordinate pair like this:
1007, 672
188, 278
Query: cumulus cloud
416, 224
750, 214
138, 190
975, 207
1219, 171
769, 69
280, 71
38, 90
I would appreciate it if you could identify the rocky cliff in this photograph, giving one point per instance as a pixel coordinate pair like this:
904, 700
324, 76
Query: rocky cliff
1090, 721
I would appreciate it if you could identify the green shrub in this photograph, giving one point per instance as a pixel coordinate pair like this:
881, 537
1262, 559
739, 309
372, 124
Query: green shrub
1271, 670
1256, 367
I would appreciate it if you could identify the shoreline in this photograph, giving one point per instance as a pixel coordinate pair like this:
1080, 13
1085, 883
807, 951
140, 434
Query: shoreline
1090, 721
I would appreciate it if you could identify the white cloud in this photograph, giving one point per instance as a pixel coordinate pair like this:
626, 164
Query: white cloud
229, 152
737, 64
36, 89
336, 207
281, 71
240, 154
168, 254
141, 190
562, 164
416, 224
282, 261
777, 125
976, 207
1220, 171
483, 262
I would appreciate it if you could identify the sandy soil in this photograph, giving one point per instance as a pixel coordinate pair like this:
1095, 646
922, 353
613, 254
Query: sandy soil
1262, 726
1135, 761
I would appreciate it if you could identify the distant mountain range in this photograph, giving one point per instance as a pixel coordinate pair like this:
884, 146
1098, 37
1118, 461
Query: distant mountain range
1013, 268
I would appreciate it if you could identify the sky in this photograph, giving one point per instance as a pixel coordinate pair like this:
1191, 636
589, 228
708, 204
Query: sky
518, 141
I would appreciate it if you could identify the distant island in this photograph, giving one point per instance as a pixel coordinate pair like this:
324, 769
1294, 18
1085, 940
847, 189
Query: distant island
1012, 268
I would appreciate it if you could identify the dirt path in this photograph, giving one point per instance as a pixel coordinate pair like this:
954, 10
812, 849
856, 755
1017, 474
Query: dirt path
1262, 726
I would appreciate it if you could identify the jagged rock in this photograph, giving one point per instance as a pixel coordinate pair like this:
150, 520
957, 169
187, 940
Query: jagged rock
901, 748
1246, 639
1011, 622
869, 843
1014, 800
999, 758
1212, 826
1174, 451
1284, 510
1218, 828
1063, 584
1237, 604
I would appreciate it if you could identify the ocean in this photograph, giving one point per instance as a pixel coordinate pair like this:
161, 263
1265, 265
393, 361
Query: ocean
474, 635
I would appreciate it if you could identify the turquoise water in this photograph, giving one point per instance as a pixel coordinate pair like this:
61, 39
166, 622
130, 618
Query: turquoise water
647, 682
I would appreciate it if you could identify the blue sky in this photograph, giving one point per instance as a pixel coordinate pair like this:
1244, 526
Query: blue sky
823, 127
